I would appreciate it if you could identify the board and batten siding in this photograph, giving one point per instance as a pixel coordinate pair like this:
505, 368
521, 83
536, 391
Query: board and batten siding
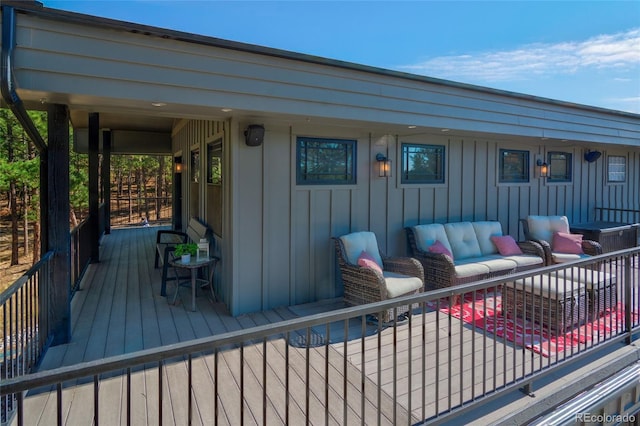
282, 231
202, 200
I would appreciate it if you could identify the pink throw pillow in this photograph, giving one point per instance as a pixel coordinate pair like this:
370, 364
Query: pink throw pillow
438, 247
367, 261
506, 245
567, 243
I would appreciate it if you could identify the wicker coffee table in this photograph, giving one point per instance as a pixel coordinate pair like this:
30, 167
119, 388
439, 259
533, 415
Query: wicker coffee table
551, 301
602, 291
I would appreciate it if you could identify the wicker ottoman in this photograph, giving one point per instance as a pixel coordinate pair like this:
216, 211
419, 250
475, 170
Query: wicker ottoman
551, 301
602, 291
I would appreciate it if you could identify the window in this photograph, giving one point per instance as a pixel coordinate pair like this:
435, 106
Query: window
214, 163
325, 161
422, 163
617, 168
514, 166
559, 166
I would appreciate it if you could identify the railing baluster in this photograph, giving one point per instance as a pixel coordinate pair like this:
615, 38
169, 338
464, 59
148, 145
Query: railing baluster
452, 354
96, 401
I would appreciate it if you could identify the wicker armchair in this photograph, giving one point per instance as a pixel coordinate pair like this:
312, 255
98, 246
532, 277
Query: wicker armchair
541, 228
398, 276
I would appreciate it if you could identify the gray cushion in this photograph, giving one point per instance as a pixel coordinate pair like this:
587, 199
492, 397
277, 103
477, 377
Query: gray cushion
543, 227
428, 234
463, 240
357, 242
588, 277
566, 257
524, 260
548, 286
484, 231
399, 285
470, 269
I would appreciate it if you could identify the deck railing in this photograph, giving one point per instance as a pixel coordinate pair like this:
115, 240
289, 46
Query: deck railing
80, 253
341, 366
609, 214
25, 330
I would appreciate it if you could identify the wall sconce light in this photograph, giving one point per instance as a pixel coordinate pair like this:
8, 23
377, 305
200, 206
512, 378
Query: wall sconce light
544, 168
178, 167
591, 156
384, 166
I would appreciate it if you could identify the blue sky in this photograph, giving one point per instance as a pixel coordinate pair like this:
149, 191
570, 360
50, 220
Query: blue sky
586, 52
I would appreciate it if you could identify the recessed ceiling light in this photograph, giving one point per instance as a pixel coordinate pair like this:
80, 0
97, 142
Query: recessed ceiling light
412, 127
226, 110
158, 104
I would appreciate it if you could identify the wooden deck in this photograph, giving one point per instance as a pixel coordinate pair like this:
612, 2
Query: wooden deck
119, 310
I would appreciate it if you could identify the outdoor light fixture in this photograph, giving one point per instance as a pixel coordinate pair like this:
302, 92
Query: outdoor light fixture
544, 168
178, 167
384, 166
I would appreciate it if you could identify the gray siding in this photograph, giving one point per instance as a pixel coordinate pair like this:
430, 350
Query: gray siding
282, 231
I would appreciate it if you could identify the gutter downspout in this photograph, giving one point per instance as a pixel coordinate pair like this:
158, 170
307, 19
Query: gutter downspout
7, 86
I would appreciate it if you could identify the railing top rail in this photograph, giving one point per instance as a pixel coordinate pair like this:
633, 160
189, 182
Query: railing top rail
97, 367
618, 210
5, 295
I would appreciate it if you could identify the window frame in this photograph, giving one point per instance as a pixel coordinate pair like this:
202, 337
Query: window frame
350, 146
404, 180
623, 171
568, 177
526, 159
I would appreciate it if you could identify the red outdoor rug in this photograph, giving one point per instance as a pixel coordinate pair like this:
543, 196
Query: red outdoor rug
486, 314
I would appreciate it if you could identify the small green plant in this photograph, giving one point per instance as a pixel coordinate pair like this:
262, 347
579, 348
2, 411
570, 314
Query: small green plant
186, 248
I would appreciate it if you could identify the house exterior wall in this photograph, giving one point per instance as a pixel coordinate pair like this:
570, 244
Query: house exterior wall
282, 231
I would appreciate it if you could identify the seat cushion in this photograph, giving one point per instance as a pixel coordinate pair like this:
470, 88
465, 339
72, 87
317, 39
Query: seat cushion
548, 286
471, 269
590, 278
399, 285
427, 235
494, 263
485, 230
543, 227
463, 240
526, 260
357, 242
566, 257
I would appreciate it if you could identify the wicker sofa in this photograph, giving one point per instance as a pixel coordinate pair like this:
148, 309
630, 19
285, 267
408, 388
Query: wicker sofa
381, 279
474, 255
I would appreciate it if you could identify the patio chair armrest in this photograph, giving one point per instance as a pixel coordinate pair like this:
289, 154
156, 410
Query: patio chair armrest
404, 265
362, 284
592, 248
439, 269
531, 247
546, 248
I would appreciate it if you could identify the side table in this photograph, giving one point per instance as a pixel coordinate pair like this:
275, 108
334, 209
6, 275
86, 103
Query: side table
194, 265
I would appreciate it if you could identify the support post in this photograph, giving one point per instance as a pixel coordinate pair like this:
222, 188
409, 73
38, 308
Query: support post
106, 179
94, 208
56, 228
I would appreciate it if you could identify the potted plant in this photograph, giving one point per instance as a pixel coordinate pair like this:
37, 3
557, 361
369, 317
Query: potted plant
185, 251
